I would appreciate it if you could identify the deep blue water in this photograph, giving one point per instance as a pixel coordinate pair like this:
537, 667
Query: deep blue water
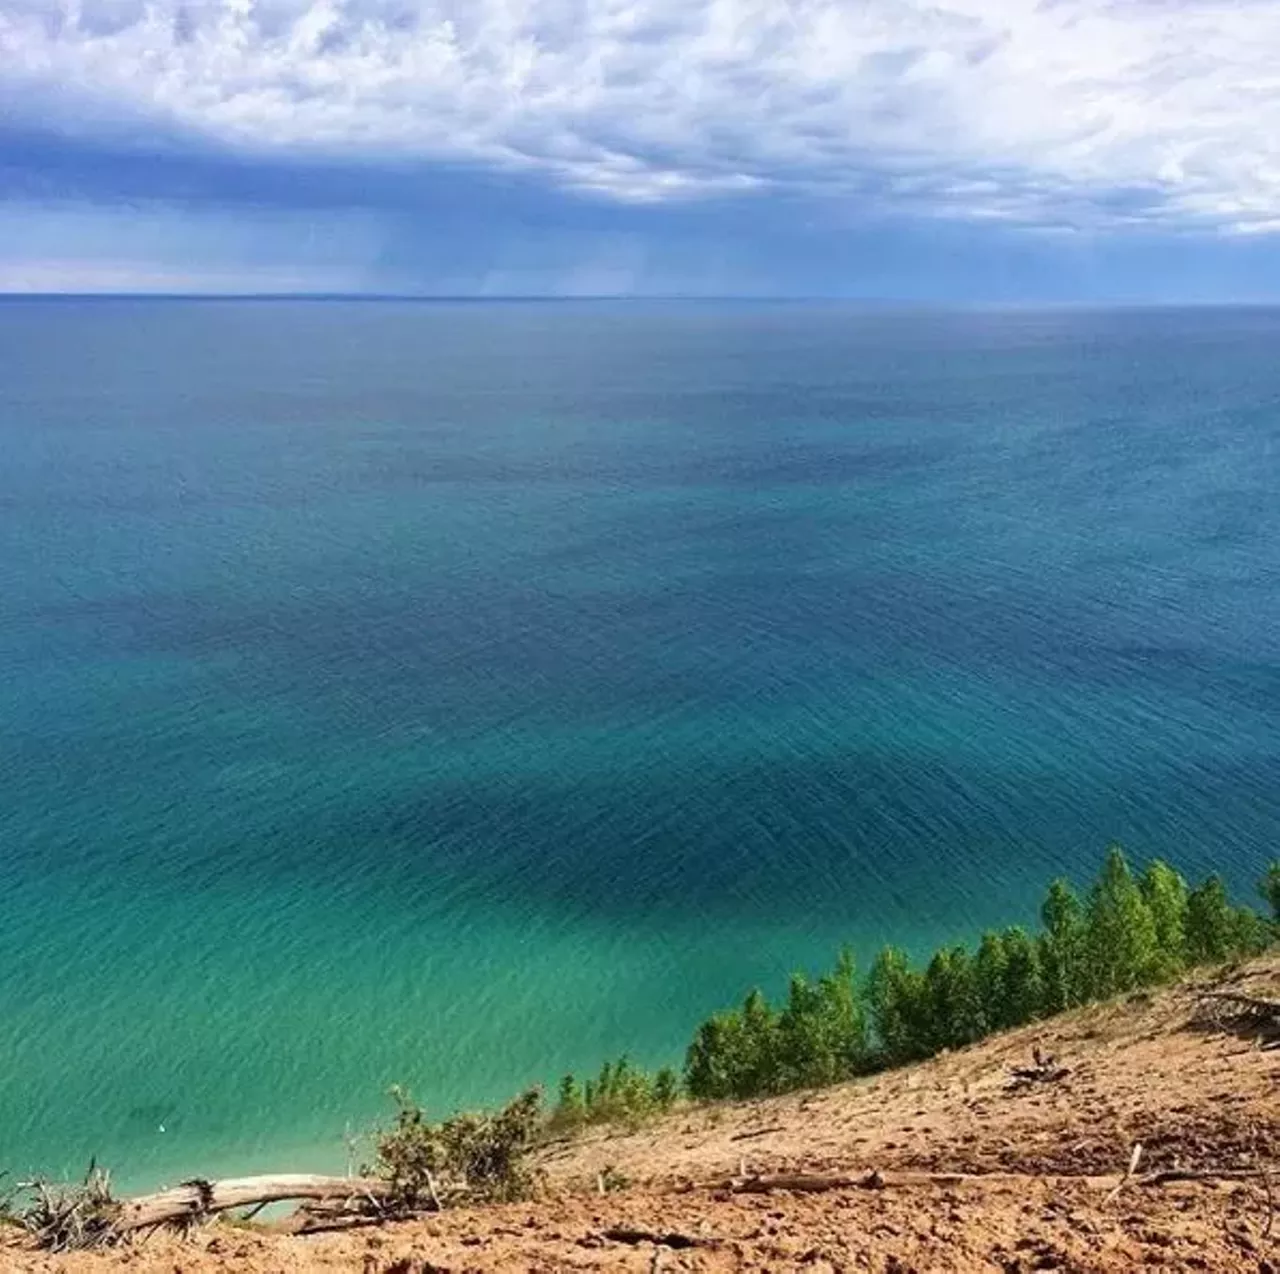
458, 693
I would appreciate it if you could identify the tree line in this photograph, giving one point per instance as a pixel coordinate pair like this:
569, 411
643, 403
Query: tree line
1129, 930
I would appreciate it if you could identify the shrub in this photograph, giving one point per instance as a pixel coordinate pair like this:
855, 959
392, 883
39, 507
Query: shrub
620, 1093
473, 1156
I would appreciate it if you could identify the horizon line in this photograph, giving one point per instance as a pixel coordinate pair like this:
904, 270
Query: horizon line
430, 298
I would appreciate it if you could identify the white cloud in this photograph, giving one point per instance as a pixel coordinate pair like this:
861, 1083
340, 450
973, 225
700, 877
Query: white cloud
1067, 112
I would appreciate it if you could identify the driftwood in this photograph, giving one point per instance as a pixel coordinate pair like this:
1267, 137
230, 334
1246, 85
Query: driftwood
194, 1200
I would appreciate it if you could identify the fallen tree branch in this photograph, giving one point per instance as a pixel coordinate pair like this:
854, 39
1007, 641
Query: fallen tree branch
193, 1200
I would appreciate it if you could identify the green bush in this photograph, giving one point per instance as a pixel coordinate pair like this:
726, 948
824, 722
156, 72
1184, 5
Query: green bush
477, 1157
620, 1093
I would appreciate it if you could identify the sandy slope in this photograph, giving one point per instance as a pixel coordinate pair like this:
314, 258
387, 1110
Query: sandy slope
1027, 1195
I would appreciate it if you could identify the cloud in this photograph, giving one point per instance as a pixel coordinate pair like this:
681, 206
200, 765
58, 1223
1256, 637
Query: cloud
1066, 113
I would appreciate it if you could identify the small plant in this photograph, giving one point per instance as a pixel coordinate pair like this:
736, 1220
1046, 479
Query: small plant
479, 1157
621, 1093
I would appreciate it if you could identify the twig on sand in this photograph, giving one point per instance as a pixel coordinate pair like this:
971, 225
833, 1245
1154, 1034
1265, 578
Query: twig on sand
672, 1239
1134, 1159
758, 1132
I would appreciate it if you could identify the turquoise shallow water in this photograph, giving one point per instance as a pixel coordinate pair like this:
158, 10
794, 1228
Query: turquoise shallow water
456, 694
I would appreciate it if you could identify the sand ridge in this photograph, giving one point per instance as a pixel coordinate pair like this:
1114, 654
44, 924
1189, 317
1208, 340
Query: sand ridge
976, 1171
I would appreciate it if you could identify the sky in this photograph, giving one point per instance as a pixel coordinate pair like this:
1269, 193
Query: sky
988, 151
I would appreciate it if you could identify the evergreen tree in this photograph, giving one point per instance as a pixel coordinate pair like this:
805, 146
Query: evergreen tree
1166, 895
808, 1053
1023, 983
1121, 946
1211, 923
1062, 949
844, 1007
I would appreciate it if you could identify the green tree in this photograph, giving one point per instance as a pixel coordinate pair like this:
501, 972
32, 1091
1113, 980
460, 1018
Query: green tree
821, 1032
1062, 949
1023, 981
899, 1009
990, 969
1211, 923
952, 1000
734, 1054
1165, 893
760, 1070
712, 1062
1270, 890
1250, 933
1121, 944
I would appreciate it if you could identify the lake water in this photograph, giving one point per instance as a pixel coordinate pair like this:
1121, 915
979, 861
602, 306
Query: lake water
456, 694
